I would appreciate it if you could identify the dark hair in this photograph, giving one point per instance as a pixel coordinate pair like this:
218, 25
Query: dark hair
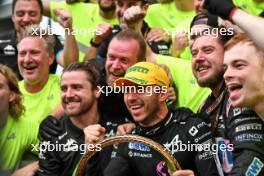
38, 1
211, 31
16, 107
128, 35
92, 73
211, 21
205, 18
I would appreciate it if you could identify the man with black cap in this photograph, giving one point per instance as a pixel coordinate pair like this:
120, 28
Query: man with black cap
239, 127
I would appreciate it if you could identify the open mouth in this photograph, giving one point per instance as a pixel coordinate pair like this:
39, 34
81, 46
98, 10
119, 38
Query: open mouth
116, 75
136, 109
71, 100
234, 90
29, 67
202, 68
71, 104
234, 87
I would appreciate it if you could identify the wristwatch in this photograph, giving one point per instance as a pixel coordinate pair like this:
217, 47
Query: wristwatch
95, 45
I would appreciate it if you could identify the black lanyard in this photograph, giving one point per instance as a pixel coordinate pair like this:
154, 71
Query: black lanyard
213, 107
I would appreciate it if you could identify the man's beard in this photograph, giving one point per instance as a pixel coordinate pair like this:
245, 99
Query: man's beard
107, 9
83, 109
212, 81
111, 82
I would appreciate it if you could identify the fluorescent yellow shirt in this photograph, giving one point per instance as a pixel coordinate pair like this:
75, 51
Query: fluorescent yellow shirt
39, 105
189, 93
184, 26
166, 15
250, 6
85, 18
16, 137
171, 19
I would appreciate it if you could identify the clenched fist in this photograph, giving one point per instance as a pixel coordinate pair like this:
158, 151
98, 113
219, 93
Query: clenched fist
94, 133
64, 18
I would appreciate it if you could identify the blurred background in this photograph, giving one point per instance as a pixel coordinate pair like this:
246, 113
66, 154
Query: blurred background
5, 13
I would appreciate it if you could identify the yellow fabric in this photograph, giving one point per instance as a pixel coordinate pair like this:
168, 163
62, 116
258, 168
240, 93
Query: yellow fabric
16, 137
250, 6
85, 19
144, 73
166, 15
39, 105
170, 19
189, 93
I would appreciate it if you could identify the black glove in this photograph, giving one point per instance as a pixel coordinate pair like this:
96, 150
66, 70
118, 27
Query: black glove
221, 8
49, 127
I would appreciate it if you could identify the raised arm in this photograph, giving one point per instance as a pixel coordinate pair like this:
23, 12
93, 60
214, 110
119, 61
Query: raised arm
46, 6
251, 24
70, 50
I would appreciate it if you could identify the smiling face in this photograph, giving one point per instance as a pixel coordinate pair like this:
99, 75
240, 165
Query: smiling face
26, 12
207, 61
120, 56
77, 94
144, 107
34, 60
123, 5
244, 74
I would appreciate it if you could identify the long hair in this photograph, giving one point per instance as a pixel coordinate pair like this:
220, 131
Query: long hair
16, 107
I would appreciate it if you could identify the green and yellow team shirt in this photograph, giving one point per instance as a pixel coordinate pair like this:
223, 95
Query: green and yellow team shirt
170, 19
189, 93
85, 18
39, 105
184, 25
250, 6
17, 136
166, 15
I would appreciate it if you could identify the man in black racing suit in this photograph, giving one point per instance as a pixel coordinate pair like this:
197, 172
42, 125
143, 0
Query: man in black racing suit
155, 121
176, 135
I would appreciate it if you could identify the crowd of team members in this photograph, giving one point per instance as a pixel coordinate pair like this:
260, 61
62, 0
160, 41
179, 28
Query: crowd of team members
214, 84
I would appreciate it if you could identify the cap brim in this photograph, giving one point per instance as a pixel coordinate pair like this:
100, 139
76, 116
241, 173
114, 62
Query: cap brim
129, 82
124, 82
